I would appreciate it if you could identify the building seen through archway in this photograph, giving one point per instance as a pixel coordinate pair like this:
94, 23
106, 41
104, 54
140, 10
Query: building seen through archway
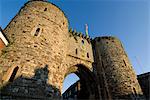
85, 87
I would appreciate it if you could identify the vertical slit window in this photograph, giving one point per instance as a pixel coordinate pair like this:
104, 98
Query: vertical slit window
124, 62
76, 51
88, 55
13, 74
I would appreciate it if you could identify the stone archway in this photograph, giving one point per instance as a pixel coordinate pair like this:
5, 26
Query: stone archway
88, 84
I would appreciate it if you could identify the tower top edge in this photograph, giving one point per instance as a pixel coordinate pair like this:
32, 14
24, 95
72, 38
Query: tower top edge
106, 38
46, 2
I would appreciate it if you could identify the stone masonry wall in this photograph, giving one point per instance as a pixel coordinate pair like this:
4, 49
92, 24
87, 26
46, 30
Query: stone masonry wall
79, 52
80, 46
39, 41
42, 52
37, 38
120, 77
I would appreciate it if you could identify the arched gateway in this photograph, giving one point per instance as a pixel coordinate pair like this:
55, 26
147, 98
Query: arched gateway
39, 38
88, 84
42, 51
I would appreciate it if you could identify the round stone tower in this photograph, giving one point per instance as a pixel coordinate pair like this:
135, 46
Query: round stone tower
118, 72
37, 38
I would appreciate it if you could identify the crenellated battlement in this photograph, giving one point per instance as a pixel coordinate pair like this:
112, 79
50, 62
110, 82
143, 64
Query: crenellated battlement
75, 34
80, 46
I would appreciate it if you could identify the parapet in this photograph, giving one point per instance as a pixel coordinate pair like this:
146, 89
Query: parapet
74, 33
106, 38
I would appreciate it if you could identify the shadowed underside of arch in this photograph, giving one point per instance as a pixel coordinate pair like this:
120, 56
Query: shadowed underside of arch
88, 84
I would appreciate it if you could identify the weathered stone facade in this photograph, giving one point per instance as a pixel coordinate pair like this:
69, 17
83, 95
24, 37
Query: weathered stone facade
42, 51
113, 67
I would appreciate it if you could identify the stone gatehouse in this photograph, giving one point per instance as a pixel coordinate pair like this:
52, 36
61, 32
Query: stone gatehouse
42, 51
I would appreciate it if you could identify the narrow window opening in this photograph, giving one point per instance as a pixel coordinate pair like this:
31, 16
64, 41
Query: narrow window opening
134, 90
124, 62
88, 55
76, 51
37, 32
82, 41
13, 74
45, 9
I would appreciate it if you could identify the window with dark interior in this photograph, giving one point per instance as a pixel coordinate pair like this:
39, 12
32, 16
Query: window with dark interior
82, 41
88, 55
37, 32
76, 51
45, 9
12, 77
124, 62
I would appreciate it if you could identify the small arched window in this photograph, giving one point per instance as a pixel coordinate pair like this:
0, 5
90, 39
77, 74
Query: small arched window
12, 77
37, 32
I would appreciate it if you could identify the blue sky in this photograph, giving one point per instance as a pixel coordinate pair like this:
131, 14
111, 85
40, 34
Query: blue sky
129, 20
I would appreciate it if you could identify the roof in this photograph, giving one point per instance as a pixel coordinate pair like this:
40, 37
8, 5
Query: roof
3, 37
